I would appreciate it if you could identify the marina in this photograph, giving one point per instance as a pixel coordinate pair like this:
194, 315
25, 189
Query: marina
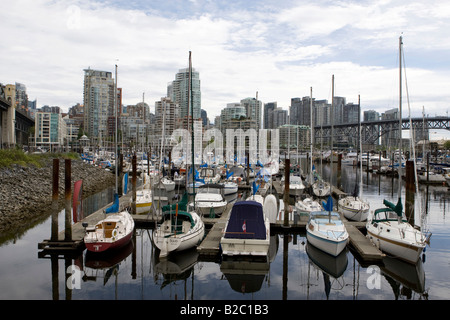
196, 273
210, 245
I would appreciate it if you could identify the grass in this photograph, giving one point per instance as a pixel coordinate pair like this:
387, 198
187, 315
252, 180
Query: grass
9, 157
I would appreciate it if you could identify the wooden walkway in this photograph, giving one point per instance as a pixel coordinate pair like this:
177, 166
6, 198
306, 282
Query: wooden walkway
210, 246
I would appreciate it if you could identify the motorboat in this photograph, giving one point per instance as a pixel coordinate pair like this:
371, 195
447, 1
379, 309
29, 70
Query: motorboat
296, 186
180, 230
229, 187
326, 231
167, 184
209, 200
209, 175
113, 232
351, 159
194, 185
305, 206
321, 188
353, 208
247, 231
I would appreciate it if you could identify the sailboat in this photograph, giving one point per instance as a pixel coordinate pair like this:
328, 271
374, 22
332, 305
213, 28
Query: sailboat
180, 230
387, 227
353, 207
307, 205
325, 229
113, 232
117, 228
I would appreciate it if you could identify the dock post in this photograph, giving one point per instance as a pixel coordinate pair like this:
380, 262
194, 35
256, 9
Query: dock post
55, 195
68, 197
133, 183
287, 168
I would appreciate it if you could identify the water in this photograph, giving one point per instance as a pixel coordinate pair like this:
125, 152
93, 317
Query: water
293, 272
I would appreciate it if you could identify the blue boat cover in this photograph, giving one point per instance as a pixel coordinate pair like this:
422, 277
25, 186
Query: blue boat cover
246, 221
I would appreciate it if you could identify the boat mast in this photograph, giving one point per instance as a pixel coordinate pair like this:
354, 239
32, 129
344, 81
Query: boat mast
115, 131
190, 105
311, 136
400, 124
332, 121
360, 148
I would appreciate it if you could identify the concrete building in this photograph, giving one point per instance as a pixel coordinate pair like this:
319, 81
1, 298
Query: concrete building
268, 108
293, 136
98, 97
168, 110
50, 131
278, 117
7, 115
253, 109
178, 91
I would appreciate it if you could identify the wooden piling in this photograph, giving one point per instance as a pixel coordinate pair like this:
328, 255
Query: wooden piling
133, 183
68, 198
287, 168
55, 195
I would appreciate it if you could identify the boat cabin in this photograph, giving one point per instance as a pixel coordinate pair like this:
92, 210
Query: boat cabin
246, 221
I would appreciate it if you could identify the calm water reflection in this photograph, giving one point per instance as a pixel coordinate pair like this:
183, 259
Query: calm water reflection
296, 271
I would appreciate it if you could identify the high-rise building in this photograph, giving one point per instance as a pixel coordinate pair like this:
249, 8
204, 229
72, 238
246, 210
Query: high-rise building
168, 110
253, 109
178, 92
268, 107
300, 111
98, 97
279, 118
390, 137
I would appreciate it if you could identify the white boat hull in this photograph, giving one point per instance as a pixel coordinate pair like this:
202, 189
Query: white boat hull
168, 242
331, 247
321, 189
247, 247
397, 240
305, 207
327, 233
205, 208
143, 201
353, 208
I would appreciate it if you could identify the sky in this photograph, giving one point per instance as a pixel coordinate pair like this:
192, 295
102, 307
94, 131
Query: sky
277, 50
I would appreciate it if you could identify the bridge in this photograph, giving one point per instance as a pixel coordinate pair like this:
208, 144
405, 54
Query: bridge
372, 130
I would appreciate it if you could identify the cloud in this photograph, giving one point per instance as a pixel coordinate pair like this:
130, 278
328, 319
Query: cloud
239, 48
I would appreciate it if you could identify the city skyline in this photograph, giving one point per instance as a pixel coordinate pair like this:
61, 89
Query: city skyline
279, 50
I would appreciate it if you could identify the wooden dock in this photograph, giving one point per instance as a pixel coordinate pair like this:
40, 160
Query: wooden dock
210, 246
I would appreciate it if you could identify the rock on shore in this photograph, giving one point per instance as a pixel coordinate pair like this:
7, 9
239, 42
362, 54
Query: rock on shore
26, 192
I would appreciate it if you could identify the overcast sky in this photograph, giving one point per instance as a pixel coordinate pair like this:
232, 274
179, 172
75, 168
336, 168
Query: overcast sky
276, 48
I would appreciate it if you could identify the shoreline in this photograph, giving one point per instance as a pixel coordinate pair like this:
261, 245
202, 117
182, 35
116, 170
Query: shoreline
26, 192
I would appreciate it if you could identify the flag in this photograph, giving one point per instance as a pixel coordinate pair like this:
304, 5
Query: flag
244, 227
